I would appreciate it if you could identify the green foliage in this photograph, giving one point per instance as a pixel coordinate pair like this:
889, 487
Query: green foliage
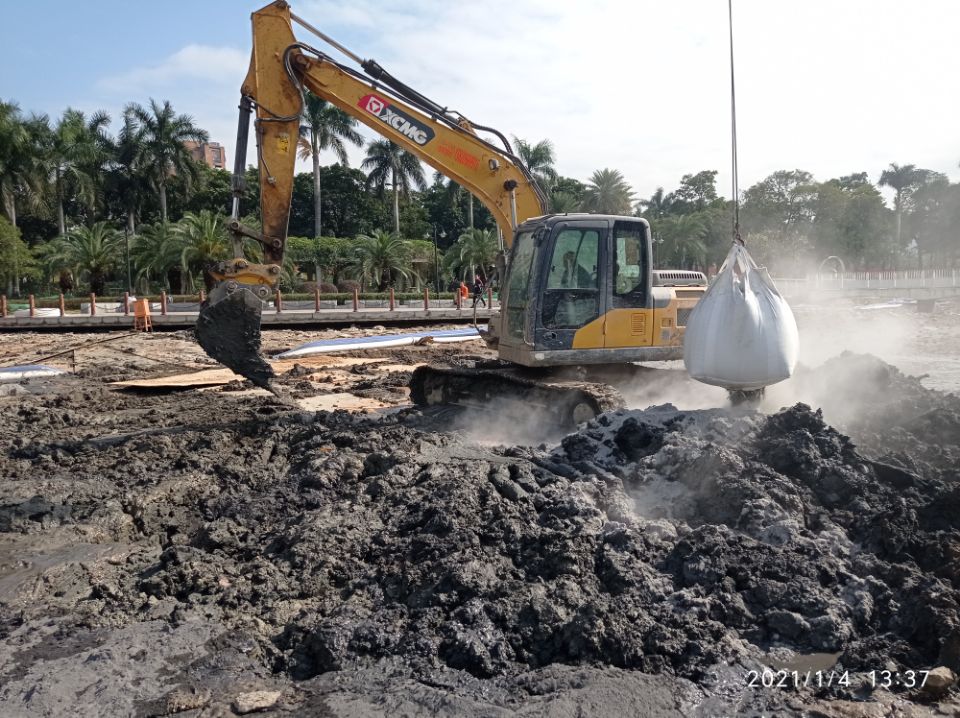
682, 240
69, 173
325, 127
204, 241
475, 249
16, 259
696, 192
89, 253
382, 258
212, 191
607, 192
161, 134
69, 157
156, 252
387, 163
540, 159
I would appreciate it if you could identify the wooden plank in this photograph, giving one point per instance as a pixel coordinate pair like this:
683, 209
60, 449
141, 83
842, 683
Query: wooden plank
222, 375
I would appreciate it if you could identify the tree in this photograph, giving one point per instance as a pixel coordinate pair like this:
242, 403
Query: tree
213, 191
204, 241
157, 253
18, 172
781, 208
382, 258
539, 159
73, 153
851, 222
566, 194
127, 178
163, 134
89, 253
696, 192
607, 192
324, 126
658, 205
782, 202
931, 220
902, 178
348, 208
683, 240
388, 162
15, 257
474, 248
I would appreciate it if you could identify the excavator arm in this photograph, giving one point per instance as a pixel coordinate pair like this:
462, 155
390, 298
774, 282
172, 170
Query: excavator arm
281, 68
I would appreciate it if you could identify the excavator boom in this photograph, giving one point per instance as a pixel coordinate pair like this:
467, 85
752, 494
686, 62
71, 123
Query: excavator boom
578, 292
281, 69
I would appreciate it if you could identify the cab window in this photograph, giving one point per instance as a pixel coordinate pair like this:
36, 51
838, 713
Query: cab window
571, 296
629, 257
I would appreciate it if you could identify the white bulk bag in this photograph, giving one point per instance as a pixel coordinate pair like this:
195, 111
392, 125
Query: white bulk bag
742, 334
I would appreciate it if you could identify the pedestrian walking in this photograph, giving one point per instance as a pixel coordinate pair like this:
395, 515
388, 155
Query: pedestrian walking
478, 292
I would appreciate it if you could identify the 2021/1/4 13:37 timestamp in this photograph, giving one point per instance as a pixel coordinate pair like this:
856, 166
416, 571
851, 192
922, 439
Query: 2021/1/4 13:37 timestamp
825, 679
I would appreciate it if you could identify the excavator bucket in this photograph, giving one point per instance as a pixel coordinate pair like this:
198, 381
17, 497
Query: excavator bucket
228, 329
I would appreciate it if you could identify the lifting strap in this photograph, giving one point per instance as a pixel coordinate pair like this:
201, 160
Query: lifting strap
733, 135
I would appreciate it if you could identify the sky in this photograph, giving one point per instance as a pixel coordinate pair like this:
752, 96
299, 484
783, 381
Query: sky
642, 86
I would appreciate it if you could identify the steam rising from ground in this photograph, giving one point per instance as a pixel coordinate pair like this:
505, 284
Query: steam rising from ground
914, 343
507, 422
917, 344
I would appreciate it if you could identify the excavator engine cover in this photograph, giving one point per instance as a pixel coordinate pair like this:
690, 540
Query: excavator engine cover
228, 329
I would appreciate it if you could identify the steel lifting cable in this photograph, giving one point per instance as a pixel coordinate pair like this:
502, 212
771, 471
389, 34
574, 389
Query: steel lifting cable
733, 134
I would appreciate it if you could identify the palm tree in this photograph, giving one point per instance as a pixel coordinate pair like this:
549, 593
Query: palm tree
157, 253
453, 193
73, 153
474, 248
324, 126
607, 192
127, 175
163, 134
683, 238
564, 202
18, 172
87, 252
381, 257
657, 206
388, 162
16, 155
539, 159
901, 178
203, 238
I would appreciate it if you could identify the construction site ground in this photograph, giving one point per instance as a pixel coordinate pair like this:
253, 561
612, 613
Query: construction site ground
198, 547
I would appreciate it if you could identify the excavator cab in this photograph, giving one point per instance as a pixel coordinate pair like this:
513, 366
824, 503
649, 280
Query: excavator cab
580, 290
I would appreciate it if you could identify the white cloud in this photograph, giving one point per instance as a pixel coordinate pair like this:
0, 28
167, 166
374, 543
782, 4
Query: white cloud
202, 81
643, 86
640, 86
193, 63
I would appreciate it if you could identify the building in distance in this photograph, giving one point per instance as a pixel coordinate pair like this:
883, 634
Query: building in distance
212, 154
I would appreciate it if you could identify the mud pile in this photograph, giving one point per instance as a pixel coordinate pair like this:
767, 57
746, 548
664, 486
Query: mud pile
415, 570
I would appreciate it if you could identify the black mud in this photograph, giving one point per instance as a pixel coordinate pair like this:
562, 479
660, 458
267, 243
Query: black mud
370, 566
229, 331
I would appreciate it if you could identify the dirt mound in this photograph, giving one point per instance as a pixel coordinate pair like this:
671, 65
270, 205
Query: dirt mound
690, 544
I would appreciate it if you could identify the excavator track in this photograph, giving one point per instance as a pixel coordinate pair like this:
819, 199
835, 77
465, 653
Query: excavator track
565, 403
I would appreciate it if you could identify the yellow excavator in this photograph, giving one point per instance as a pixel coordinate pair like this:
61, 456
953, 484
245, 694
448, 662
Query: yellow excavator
579, 296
